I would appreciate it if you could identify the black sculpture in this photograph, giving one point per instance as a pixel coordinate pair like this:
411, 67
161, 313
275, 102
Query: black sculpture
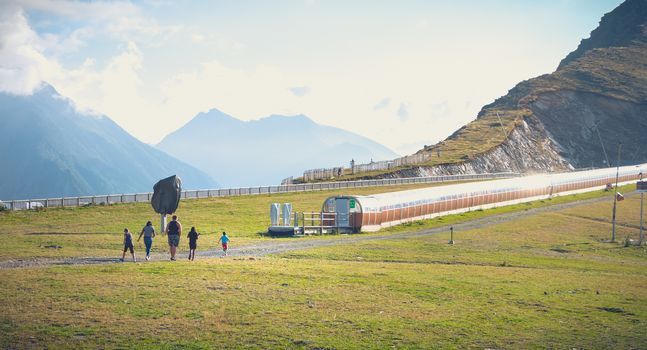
166, 195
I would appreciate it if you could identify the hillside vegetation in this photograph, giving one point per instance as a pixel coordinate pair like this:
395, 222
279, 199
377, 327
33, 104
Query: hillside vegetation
544, 281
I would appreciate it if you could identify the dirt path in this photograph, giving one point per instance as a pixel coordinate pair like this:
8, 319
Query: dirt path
282, 245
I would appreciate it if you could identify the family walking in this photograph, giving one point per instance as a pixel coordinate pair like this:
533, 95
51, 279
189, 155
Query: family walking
173, 232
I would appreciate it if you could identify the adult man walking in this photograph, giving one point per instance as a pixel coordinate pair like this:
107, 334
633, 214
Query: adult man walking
174, 230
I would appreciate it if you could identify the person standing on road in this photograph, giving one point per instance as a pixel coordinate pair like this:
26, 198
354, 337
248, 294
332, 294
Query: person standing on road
148, 232
128, 245
225, 241
193, 242
173, 230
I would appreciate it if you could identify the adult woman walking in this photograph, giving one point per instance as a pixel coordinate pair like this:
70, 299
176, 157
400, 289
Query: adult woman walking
148, 232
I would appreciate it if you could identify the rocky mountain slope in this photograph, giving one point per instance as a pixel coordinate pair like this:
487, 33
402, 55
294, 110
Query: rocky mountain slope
572, 118
264, 151
51, 150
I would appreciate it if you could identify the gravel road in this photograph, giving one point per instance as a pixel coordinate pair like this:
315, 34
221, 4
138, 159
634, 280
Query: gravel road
281, 245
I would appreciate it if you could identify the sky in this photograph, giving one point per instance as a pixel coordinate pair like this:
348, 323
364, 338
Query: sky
403, 73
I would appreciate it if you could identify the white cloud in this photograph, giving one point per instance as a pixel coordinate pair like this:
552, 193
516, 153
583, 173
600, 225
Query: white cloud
299, 91
422, 24
382, 104
27, 58
246, 93
114, 90
214, 40
203, 67
441, 109
71, 43
122, 20
197, 38
23, 66
82, 10
118, 87
403, 112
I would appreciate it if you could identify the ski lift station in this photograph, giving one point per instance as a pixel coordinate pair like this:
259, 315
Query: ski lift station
351, 214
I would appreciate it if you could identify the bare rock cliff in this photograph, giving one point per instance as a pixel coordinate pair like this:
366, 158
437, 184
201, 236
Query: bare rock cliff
587, 127
528, 146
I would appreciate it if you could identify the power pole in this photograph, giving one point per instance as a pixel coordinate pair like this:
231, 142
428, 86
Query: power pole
615, 195
641, 236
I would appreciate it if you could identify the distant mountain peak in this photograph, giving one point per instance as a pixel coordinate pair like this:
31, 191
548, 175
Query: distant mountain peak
46, 93
625, 25
64, 152
298, 119
266, 150
46, 89
203, 121
213, 114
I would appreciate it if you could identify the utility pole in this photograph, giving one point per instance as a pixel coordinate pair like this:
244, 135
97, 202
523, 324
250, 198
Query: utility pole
641, 237
615, 195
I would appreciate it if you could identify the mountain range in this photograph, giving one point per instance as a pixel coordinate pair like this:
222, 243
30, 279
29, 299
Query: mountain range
574, 117
264, 151
51, 150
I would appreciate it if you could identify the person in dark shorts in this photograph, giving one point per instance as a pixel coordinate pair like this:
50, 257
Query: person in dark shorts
148, 232
173, 230
193, 242
128, 245
224, 239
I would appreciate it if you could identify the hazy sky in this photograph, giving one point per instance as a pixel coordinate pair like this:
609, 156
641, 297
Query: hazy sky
404, 73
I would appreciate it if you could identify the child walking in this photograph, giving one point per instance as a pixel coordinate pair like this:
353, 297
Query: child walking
193, 242
225, 241
128, 245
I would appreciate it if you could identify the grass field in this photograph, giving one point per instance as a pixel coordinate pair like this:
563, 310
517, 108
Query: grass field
97, 230
543, 281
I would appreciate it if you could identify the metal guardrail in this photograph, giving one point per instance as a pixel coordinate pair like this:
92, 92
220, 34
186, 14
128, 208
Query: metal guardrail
26, 204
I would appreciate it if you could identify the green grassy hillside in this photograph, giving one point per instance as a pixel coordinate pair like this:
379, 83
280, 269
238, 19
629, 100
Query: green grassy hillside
544, 281
97, 230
